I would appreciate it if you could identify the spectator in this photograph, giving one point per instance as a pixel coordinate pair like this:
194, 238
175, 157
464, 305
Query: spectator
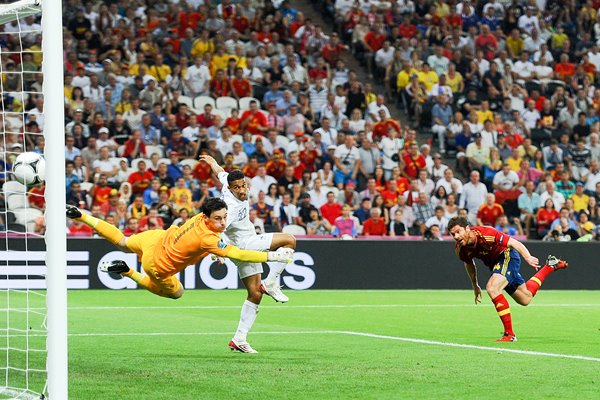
345, 224
331, 209
439, 219
422, 210
529, 202
474, 196
375, 225
489, 212
318, 225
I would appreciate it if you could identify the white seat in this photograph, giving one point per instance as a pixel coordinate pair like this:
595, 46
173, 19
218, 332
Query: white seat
24, 216
16, 201
294, 229
237, 138
282, 140
117, 160
226, 102
164, 160
134, 163
224, 114
245, 102
121, 150
86, 186
13, 187
189, 161
150, 149
201, 101
186, 100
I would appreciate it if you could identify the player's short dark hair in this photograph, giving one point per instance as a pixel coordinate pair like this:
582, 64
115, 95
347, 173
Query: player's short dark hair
211, 205
235, 175
460, 221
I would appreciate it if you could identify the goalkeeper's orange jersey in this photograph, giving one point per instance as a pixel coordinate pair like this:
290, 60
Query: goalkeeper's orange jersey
187, 245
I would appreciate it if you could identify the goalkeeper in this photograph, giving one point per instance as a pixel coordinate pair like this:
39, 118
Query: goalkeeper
164, 253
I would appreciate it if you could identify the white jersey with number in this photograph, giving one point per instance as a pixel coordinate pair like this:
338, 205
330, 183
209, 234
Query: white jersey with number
239, 228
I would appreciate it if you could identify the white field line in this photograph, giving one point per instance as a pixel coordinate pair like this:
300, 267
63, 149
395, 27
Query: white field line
470, 346
351, 333
325, 306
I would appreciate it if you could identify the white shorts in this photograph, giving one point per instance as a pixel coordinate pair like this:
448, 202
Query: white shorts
255, 242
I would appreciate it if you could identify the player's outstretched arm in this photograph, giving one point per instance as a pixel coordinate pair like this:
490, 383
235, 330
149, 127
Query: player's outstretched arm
216, 168
472, 273
520, 247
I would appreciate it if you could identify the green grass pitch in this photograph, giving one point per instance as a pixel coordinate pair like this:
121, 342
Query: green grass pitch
133, 345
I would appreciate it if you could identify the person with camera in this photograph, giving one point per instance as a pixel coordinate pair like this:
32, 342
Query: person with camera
347, 161
391, 146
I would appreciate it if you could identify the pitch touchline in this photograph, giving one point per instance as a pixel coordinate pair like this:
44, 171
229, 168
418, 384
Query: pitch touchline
99, 308
363, 334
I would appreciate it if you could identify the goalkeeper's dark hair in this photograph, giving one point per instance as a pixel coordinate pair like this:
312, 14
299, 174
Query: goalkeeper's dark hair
460, 221
235, 175
211, 205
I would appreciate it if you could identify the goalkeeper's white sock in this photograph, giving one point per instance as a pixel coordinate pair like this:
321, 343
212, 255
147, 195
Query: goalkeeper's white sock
275, 270
247, 318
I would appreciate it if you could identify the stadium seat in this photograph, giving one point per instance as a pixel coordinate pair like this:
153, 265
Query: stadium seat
121, 150
282, 140
13, 187
117, 160
134, 163
189, 161
201, 101
24, 216
224, 114
237, 138
187, 101
294, 229
86, 186
153, 149
16, 201
165, 160
245, 102
226, 103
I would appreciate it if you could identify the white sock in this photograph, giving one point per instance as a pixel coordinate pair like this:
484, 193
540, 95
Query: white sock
247, 318
275, 269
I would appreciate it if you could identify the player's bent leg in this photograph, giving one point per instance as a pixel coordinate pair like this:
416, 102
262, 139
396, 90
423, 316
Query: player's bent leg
496, 285
522, 295
283, 240
104, 229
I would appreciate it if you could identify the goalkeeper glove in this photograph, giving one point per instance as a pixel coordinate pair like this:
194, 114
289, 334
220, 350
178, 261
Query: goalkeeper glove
283, 254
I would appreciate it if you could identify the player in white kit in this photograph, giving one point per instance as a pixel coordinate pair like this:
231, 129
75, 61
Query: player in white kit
240, 232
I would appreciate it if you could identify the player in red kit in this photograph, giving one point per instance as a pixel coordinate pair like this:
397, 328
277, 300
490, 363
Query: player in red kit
502, 255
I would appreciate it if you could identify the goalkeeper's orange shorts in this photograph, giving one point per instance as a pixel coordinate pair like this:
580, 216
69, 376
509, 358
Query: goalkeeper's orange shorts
144, 244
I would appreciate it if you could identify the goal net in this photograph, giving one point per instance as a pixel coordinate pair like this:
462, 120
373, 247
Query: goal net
23, 271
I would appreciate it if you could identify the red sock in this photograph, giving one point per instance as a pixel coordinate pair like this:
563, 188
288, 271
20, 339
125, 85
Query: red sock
533, 284
503, 309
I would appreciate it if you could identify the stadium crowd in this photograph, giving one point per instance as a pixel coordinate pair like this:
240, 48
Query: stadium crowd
505, 90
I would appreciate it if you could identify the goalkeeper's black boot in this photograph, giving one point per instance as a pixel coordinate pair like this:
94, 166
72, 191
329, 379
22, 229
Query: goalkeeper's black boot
73, 212
114, 267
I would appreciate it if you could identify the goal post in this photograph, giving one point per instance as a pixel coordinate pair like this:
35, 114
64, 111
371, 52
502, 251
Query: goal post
33, 316
56, 242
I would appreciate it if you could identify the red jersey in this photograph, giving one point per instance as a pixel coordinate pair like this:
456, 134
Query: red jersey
241, 87
489, 215
256, 121
489, 245
330, 211
413, 166
374, 40
370, 227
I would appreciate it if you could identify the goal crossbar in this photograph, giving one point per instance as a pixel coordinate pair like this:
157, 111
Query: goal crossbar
19, 9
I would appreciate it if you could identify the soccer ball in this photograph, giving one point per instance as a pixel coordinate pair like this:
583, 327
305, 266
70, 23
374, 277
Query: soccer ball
29, 168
